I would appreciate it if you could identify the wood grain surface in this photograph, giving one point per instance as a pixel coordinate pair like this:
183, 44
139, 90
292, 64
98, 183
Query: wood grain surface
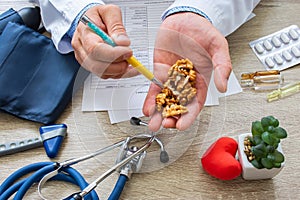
183, 177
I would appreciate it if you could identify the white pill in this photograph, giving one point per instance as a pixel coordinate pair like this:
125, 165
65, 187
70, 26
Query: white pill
259, 49
294, 34
295, 51
287, 56
285, 38
2, 147
276, 41
267, 45
13, 145
278, 59
269, 62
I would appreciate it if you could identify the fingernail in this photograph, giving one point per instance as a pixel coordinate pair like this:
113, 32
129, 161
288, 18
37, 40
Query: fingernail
221, 82
121, 38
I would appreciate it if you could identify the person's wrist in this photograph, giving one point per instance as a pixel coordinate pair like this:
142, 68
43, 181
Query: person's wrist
179, 9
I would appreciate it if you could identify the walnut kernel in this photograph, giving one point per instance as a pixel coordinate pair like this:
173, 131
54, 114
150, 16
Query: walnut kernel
179, 89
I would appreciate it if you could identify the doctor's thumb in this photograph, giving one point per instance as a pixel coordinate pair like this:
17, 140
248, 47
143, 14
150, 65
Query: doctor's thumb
121, 39
221, 76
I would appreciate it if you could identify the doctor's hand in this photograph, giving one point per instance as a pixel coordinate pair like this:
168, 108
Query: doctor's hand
98, 57
188, 35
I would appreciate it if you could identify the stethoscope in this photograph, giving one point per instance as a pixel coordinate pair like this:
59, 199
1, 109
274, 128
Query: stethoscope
129, 160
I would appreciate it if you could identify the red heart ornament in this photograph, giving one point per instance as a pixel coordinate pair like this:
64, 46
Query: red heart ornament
219, 159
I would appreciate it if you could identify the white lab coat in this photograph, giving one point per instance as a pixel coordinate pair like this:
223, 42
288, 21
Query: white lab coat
226, 15
57, 17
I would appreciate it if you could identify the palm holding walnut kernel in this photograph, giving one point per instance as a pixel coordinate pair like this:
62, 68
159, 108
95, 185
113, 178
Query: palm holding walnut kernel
188, 35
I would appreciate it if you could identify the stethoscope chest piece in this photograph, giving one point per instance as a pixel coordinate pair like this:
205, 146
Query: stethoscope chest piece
134, 165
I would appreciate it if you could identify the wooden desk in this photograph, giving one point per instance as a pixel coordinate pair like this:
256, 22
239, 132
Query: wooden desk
183, 178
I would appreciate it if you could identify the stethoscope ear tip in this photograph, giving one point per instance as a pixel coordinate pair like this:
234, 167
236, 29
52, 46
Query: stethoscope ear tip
164, 157
135, 121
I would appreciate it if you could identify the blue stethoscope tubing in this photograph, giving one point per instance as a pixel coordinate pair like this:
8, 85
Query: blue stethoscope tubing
116, 193
68, 174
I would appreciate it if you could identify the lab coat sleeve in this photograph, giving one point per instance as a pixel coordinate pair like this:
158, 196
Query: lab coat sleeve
57, 17
225, 15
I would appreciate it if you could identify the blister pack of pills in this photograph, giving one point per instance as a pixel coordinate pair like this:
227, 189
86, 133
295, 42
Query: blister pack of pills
279, 50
